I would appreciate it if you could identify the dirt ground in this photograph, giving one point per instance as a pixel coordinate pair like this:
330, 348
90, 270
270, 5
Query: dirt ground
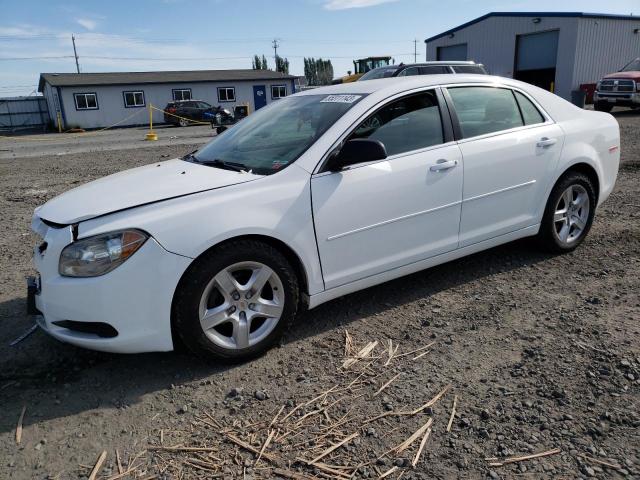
542, 353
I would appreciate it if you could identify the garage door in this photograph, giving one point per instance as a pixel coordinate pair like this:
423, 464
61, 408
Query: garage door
453, 52
536, 59
537, 51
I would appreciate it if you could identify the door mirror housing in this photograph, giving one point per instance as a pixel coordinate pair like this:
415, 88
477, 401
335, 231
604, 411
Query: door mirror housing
360, 150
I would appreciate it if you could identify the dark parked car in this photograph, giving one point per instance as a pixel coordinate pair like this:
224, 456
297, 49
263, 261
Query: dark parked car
427, 68
195, 110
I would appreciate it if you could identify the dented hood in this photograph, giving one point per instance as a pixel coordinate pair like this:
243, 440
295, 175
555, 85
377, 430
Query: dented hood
135, 187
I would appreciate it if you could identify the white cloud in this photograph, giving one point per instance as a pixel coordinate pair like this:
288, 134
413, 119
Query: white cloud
87, 23
345, 4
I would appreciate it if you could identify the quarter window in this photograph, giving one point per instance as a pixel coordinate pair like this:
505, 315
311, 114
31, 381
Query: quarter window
408, 72
226, 94
278, 91
86, 101
530, 114
483, 110
410, 123
182, 94
133, 99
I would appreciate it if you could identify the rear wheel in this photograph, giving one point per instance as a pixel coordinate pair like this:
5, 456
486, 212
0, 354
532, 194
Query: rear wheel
603, 107
183, 122
235, 302
569, 213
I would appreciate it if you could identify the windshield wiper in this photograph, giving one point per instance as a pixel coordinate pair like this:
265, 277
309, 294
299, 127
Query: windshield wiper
236, 167
190, 157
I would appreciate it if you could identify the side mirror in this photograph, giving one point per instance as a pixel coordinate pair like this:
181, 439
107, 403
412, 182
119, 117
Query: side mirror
359, 150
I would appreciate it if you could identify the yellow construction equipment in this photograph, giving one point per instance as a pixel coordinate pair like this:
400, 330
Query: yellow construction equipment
362, 66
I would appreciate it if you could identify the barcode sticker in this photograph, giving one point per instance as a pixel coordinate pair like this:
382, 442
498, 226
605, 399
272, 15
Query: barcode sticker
340, 99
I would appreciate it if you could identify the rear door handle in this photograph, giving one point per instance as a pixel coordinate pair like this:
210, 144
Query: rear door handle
443, 165
546, 142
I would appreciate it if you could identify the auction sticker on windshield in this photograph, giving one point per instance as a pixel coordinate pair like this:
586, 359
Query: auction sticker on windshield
340, 99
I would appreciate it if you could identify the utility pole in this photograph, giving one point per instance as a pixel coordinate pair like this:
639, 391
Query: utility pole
75, 53
275, 51
415, 50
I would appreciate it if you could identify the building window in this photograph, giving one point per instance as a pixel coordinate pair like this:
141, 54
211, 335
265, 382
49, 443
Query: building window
181, 94
278, 91
226, 94
86, 101
133, 99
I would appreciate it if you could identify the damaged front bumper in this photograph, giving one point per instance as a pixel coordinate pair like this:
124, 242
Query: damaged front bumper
127, 310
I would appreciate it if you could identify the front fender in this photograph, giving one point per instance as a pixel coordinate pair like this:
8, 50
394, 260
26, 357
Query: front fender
276, 206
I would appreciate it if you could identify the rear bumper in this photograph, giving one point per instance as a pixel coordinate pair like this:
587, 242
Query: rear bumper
134, 299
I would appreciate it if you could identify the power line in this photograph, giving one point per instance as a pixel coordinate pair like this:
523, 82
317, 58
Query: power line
35, 58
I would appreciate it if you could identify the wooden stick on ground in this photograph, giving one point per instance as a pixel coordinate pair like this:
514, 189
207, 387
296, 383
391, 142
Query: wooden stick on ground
363, 353
422, 444
388, 472
98, 466
407, 443
265, 445
453, 413
276, 417
386, 384
601, 462
249, 447
506, 461
19, 426
290, 474
433, 401
118, 462
334, 447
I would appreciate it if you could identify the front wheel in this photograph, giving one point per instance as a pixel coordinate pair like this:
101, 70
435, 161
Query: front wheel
569, 213
603, 107
236, 301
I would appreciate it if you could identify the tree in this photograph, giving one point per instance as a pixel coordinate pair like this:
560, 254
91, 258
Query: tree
318, 71
259, 63
282, 65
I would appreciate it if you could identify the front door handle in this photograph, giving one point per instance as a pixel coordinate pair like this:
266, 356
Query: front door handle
443, 165
546, 142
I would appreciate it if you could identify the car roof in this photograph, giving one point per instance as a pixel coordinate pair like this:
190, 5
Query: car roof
399, 84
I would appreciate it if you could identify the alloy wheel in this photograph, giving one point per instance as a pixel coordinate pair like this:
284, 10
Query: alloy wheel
241, 305
571, 214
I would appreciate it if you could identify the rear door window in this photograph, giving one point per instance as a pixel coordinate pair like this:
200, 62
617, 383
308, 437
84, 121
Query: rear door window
468, 69
434, 70
483, 110
410, 123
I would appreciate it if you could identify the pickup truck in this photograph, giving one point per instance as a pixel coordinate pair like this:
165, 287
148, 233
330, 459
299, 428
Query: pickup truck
620, 89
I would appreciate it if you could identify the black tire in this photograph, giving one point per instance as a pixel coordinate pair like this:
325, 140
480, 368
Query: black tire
603, 107
547, 236
183, 122
186, 319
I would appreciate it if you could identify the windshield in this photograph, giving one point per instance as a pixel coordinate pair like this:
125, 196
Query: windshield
275, 136
633, 66
378, 73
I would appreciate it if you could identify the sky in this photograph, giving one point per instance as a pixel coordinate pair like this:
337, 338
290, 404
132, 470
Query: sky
143, 35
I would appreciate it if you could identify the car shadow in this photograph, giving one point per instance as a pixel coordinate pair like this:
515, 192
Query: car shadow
67, 380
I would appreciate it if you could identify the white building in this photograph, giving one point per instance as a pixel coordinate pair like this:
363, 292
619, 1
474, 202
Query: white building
95, 100
556, 51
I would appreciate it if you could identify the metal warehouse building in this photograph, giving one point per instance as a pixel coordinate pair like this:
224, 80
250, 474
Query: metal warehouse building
556, 51
94, 100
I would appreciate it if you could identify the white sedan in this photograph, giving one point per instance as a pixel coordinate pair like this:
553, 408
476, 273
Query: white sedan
315, 196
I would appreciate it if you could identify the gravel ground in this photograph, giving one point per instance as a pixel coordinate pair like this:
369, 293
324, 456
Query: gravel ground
541, 351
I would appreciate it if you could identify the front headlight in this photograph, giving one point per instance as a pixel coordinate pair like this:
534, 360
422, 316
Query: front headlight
94, 256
